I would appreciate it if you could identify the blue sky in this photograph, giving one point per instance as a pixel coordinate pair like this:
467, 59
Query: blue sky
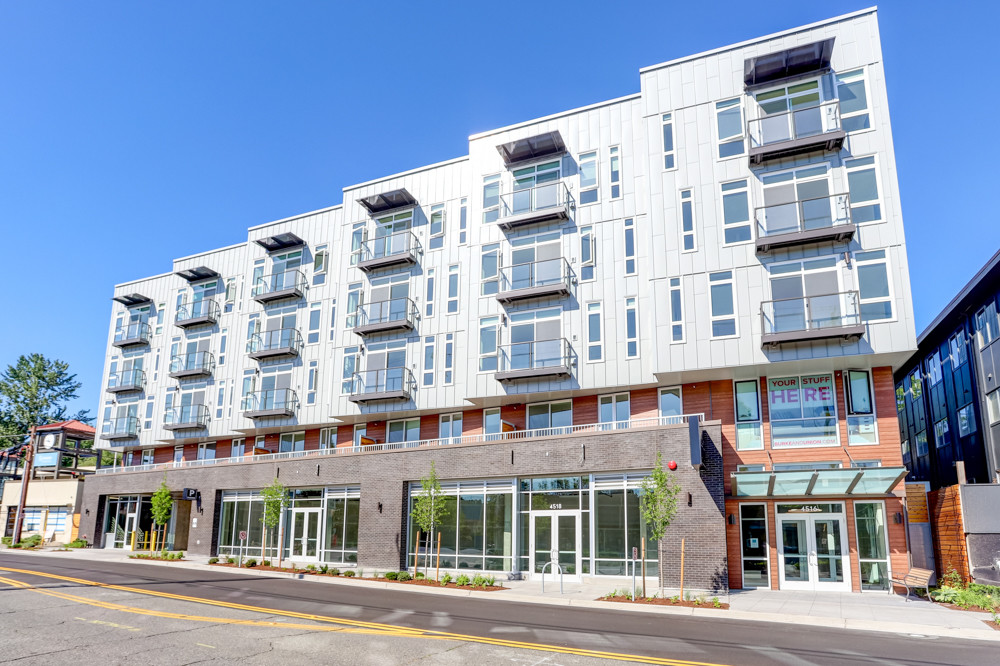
135, 132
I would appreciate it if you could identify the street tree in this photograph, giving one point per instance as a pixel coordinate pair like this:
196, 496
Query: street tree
162, 504
658, 503
34, 391
429, 509
275, 498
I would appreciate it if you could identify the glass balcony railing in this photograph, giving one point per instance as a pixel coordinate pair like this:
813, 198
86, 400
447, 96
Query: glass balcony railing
550, 201
279, 342
827, 315
127, 380
394, 248
803, 215
534, 358
186, 416
202, 311
386, 315
286, 284
800, 123
191, 364
270, 402
136, 333
542, 276
384, 383
122, 427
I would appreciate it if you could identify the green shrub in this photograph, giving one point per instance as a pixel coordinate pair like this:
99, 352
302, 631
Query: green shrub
403, 576
445, 579
180, 555
479, 581
952, 579
323, 569
265, 563
462, 580
349, 573
491, 581
335, 571
674, 599
16, 545
311, 567
716, 603
78, 543
419, 576
361, 572
213, 560
251, 563
230, 560
946, 595
391, 575
7, 541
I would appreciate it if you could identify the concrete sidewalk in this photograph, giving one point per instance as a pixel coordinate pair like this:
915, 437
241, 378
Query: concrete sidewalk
868, 611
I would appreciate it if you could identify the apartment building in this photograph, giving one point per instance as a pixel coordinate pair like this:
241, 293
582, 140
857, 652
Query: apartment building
713, 269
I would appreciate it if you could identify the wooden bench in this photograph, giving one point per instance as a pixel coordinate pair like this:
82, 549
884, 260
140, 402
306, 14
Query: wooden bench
914, 578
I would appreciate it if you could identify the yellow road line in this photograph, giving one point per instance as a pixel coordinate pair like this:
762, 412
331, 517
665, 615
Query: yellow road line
357, 626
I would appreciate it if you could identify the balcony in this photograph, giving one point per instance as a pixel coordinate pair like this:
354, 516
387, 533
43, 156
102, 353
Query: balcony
816, 220
537, 359
796, 132
279, 286
282, 402
280, 343
811, 318
397, 314
186, 417
132, 335
123, 427
197, 313
191, 365
550, 202
536, 279
385, 384
398, 249
127, 381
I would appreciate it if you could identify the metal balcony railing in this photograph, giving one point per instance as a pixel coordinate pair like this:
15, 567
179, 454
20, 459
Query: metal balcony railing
127, 380
534, 359
383, 384
276, 286
796, 131
136, 333
192, 364
122, 427
811, 317
270, 402
804, 221
186, 417
535, 279
193, 313
396, 248
396, 313
279, 342
542, 203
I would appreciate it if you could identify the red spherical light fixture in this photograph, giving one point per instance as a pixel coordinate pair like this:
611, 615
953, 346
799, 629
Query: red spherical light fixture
672, 465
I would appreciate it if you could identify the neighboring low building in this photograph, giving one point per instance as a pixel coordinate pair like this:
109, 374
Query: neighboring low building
713, 269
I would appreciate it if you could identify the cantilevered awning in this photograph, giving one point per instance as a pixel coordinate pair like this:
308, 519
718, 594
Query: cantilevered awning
132, 300
197, 274
790, 62
534, 147
852, 481
280, 242
380, 203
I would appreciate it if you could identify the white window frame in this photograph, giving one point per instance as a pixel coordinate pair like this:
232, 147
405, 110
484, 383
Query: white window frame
692, 233
548, 404
731, 281
427, 373
448, 360
437, 210
359, 432
453, 271
588, 243
450, 419
484, 324
748, 224
629, 227
489, 284
850, 414
615, 398
595, 307
852, 75
878, 201
499, 414
857, 263
723, 105
665, 389
293, 438
406, 429
312, 382
758, 437
676, 285
327, 439
312, 332
632, 307
615, 175
491, 213
836, 411
429, 301
667, 120
589, 156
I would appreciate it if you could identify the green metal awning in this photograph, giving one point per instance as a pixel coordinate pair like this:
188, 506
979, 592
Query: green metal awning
851, 482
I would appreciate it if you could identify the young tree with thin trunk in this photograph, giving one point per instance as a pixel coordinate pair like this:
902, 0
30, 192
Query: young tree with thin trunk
162, 504
429, 509
275, 497
658, 503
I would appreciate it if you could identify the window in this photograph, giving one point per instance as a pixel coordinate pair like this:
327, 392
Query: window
428, 379
987, 324
292, 441
463, 220
206, 451
588, 253
333, 318
616, 173
862, 183
853, 101
178, 454
555, 415
966, 421
350, 367
449, 358
873, 285
631, 328
312, 382
360, 434
921, 441
993, 405
450, 426
147, 457
670, 402
629, 247
407, 430
869, 522
723, 306
900, 399
729, 122
237, 448
488, 340
860, 409
327, 438
588, 178
491, 198
230, 294
906, 451
803, 411
933, 363
357, 240
492, 425
437, 226
916, 385
942, 437
748, 430
753, 536
750, 468
676, 311
220, 400
595, 346
429, 310
353, 303
453, 289
668, 141
320, 261
222, 346
615, 409
688, 243
315, 314
736, 212
959, 352
490, 269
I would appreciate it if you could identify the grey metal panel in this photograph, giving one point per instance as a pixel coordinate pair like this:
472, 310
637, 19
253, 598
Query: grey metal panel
829, 141
560, 214
190, 373
375, 396
278, 295
384, 327
980, 504
554, 371
837, 234
844, 332
390, 261
559, 289
272, 353
264, 413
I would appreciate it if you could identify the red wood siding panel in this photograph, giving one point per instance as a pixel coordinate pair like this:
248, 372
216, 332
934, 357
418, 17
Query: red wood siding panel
429, 426
472, 422
345, 435
585, 410
645, 403
311, 442
517, 415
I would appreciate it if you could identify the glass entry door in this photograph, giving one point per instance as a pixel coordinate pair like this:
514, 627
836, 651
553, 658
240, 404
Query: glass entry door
555, 535
813, 553
305, 534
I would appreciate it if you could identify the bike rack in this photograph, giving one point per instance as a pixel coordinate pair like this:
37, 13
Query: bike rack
555, 565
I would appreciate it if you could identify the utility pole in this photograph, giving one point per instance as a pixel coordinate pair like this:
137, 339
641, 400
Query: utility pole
29, 459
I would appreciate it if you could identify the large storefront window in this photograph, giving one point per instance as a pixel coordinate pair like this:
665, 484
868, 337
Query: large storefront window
619, 527
869, 520
803, 411
128, 523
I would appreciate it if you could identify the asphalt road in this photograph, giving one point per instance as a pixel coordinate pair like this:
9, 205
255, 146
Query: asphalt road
352, 625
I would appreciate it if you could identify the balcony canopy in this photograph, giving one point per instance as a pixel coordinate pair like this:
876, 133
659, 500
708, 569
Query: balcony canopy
380, 203
197, 274
280, 242
788, 63
534, 147
850, 482
133, 300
